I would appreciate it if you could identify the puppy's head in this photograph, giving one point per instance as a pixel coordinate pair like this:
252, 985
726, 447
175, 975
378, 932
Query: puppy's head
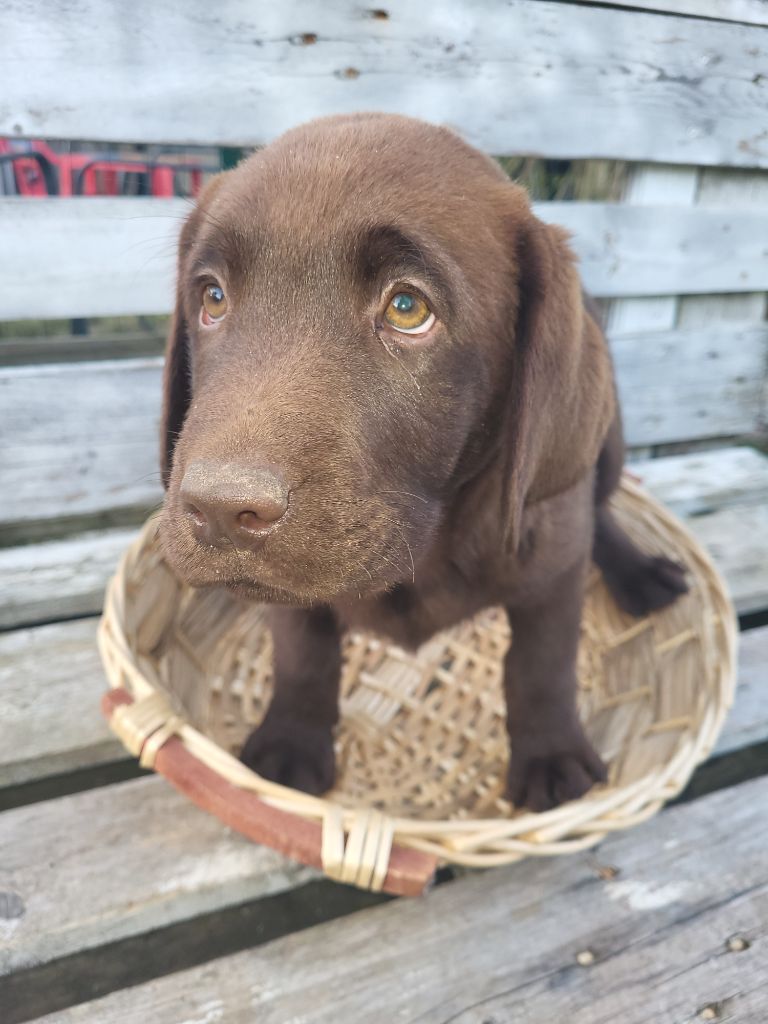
364, 311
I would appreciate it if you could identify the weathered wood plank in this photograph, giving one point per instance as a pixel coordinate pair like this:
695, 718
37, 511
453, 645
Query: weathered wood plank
58, 579
736, 539
700, 483
101, 256
51, 681
657, 930
82, 438
79, 437
747, 721
626, 249
747, 12
628, 84
717, 490
687, 384
91, 256
127, 858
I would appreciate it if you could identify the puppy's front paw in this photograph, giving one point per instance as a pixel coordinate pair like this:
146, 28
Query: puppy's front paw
293, 753
547, 768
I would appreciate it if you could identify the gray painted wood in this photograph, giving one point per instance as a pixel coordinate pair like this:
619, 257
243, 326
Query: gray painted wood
736, 539
684, 384
58, 579
722, 492
82, 438
51, 682
628, 249
102, 256
79, 438
91, 256
505, 945
109, 863
748, 12
528, 76
747, 721
703, 482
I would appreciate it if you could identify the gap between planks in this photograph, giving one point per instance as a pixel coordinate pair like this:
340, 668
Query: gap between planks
640, 929
150, 858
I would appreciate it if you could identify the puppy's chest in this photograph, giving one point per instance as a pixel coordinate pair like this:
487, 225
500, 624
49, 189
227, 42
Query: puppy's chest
410, 614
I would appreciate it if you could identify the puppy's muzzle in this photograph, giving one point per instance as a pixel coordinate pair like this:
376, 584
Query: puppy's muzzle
233, 504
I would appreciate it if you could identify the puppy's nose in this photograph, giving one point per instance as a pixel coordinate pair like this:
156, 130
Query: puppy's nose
233, 503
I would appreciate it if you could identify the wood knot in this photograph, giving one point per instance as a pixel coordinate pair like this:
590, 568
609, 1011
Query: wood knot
11, 906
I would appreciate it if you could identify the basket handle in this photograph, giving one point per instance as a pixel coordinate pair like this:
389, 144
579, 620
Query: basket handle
409, 872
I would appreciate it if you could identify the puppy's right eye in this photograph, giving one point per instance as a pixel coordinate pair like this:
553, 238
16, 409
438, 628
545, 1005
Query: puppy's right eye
214, 304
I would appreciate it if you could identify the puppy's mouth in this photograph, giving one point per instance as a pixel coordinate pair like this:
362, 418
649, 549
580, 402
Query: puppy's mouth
267, 581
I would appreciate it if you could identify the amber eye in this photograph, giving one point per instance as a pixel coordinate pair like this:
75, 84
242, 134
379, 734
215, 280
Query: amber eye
409, 314
214, 304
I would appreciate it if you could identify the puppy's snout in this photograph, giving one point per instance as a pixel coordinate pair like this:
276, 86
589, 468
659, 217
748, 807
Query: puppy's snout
233, 503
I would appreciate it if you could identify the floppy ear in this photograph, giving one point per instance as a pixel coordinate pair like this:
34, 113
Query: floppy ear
177, 373
561, 398
177, 387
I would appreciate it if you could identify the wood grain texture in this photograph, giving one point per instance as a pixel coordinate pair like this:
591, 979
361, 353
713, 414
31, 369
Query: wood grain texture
747, 12
723, 494
684, 384
82, 438
58, 579
91, 256
528, 76
51, 681
101, 256
79, 437
747, 721
703, 482
505, 945
108, 863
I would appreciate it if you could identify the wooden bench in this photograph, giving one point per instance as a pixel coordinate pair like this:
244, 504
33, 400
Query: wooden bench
119, 901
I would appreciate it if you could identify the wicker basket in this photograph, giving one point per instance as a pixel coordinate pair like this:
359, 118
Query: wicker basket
422, 745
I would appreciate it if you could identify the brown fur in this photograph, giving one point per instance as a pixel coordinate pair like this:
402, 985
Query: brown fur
426, 478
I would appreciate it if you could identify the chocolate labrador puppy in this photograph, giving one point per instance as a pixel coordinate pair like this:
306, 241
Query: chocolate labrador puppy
387, 406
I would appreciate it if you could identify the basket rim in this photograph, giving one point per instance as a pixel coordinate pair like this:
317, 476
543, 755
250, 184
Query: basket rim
475, 842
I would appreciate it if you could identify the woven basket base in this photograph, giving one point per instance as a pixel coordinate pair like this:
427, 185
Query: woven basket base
422, 735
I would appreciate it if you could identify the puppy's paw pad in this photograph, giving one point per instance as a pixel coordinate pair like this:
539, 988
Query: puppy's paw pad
293, 755
541, 783
653, 584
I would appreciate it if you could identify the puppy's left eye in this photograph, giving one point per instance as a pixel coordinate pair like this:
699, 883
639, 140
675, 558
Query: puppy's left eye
409, 314
214, 304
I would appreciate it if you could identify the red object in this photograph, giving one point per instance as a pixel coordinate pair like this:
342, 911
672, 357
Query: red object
409, 872
91, 174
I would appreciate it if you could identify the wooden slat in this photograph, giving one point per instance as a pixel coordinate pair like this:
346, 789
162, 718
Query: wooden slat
88, 257
508, 945
736, 539
79, 438
704, 482
747, 12
51, 681
528, 76
722, 492
58, 579
627, 249
82, 438
128, 858
684, 384
747, 721
101, 256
